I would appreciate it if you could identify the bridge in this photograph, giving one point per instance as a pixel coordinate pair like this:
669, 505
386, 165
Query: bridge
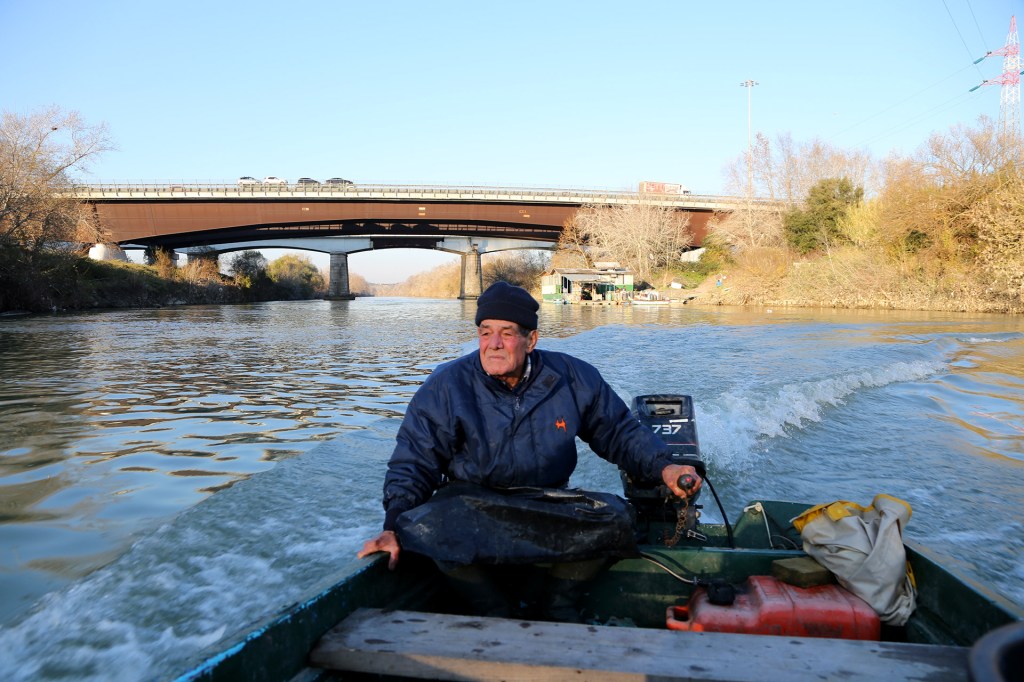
203, 219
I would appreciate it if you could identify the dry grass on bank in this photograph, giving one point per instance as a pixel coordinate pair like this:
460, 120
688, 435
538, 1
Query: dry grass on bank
851, 278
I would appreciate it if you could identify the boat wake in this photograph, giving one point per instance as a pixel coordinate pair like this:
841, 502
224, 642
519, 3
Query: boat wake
735, 425
237, 557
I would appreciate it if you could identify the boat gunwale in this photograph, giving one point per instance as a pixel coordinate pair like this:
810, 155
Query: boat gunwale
336, 597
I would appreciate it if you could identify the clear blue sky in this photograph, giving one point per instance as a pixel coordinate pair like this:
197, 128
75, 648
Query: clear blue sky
553, 94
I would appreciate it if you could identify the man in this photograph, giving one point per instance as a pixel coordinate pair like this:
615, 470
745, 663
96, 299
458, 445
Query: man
508, 416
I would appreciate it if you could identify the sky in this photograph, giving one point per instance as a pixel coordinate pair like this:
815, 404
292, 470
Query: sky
591, 95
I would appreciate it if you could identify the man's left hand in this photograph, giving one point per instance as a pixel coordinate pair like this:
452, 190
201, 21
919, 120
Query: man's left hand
387, 541
671, 474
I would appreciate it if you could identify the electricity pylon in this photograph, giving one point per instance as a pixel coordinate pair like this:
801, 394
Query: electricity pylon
1009, 102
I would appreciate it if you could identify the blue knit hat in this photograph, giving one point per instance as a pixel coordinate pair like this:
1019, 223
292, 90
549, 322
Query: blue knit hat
503, 301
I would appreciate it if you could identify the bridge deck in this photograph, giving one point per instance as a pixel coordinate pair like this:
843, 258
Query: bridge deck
400, 192
186, 215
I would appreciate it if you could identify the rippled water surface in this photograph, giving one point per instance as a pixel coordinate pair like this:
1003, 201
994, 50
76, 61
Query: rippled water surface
168, 475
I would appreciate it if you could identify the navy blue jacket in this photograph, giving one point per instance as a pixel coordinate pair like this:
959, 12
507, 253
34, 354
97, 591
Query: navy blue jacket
468, 426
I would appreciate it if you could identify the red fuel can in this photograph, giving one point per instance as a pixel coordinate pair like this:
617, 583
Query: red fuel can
768, 606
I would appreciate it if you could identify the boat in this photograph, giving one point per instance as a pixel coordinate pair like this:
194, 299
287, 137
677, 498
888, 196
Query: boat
639, 616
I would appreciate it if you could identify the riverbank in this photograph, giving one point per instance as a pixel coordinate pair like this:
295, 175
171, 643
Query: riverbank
62, 282
738, 295
838, 283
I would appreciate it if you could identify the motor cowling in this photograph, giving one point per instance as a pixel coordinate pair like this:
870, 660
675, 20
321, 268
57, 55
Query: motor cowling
670, 416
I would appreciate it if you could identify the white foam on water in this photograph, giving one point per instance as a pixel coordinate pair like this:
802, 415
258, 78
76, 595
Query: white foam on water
238, 557
734, 425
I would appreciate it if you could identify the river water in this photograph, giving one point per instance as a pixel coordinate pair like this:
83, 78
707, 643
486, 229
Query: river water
170, 475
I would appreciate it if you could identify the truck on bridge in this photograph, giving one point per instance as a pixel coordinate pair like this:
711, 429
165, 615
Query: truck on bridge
648, 187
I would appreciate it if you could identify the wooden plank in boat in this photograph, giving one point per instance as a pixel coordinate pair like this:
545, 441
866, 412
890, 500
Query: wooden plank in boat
447, 647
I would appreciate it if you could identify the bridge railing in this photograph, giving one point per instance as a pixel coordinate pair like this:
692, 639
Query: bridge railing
208, 190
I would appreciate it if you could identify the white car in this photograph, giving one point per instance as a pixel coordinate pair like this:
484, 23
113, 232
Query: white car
247, 180
273, 180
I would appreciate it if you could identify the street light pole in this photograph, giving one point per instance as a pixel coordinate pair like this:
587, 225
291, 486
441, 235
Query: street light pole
749, 85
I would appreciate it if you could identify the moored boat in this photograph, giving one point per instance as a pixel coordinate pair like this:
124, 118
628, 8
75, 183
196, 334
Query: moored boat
642, 616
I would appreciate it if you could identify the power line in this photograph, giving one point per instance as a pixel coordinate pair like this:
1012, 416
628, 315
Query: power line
969, 53
984, 44
951, 103
902, 101
943, 106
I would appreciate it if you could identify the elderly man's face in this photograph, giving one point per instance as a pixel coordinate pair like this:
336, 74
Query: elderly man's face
503, 349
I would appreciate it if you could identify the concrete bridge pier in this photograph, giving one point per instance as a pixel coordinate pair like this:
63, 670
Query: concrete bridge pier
338, 289
472, 282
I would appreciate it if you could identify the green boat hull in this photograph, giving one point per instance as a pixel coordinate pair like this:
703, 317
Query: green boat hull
951, 609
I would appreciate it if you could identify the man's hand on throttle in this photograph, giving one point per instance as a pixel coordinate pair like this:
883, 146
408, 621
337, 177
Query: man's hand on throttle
671, 475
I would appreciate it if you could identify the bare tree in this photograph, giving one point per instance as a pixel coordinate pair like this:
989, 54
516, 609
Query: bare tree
38, 152
573, 247
1000, 226
640, 236
753, 226
784, 170
522, 268
967, 152
929, 200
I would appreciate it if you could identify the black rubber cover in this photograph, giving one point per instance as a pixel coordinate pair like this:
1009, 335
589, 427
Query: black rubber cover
999, 655
465, 523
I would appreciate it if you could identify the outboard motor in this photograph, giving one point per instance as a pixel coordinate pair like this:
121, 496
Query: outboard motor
671, 417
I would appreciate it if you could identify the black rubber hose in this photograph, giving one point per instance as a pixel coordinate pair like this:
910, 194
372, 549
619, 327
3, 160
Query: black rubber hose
725, 518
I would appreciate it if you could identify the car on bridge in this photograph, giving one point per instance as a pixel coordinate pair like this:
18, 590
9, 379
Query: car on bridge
336, 182
274, 180
307, 183
248, 180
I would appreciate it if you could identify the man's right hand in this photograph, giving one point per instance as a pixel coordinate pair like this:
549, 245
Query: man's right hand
671, 474
385, 542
